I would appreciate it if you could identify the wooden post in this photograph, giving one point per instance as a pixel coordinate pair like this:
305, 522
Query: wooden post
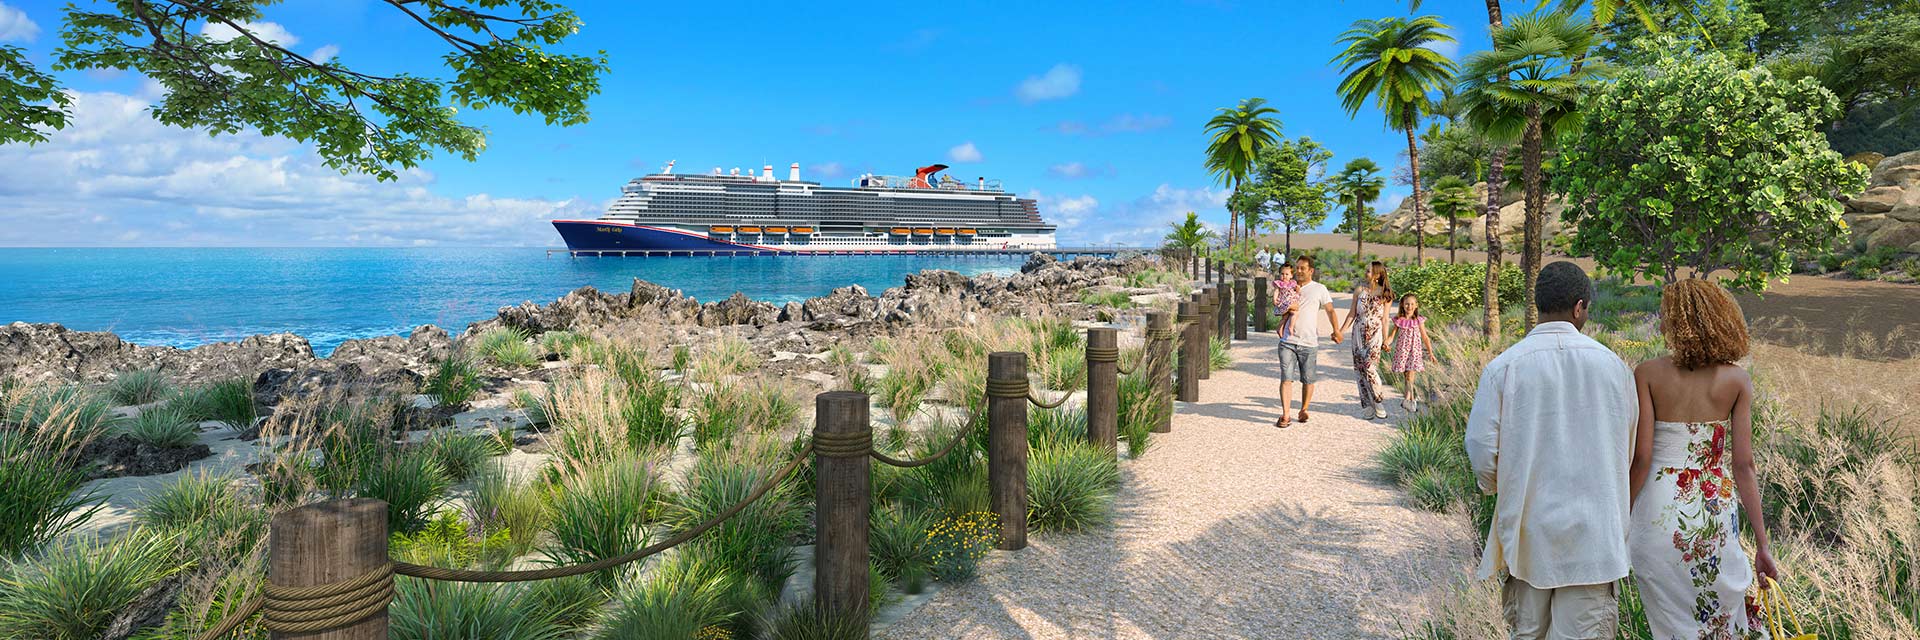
1159, 367
1209, 305
1007, 449
1103, 388
1223, 312
325, 543
1240, 319
841, 502
1209, 272
1191, 362
1262, 305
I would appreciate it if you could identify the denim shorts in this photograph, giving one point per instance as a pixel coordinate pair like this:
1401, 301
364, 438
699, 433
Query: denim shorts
1297, 363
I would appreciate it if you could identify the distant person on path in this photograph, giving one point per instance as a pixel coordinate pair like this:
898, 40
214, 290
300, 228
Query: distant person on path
1696, 408
1285, 293
1551, 435
1299, 349
1411, 347
1368, 319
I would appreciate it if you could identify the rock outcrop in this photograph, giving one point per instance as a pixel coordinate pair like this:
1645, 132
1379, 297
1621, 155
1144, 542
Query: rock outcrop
54, 353
1513, 212
1888, 213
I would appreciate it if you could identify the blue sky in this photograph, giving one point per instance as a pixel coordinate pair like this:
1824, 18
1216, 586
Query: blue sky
1097, 112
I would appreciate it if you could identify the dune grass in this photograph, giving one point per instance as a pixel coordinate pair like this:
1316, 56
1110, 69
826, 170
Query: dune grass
44, 494
454, 382
139, 387
429, 611
73, 591
164, 427
1070, 487
502, 502
508, 347
756, 543
594, 513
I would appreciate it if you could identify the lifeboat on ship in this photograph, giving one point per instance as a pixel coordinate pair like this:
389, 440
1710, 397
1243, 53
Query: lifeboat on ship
902, 231
802, 230
922, 232
776, 229
749, 229
943, 232
968, 232
720, 230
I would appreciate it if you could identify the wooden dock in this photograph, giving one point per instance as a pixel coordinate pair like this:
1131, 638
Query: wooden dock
1063, 253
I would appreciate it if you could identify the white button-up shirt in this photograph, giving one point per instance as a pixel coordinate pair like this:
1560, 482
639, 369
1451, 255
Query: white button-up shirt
1552, 433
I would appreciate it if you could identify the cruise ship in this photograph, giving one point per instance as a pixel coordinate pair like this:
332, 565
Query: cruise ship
930, 211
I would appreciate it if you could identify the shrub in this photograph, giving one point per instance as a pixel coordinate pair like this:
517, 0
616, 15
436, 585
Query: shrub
1447, 290
507, 347
411, 482
1070, 487
958, 543
1115, 299
594, 513
898, 541
1432, 488
459, 455
139, 387
682, 596
1142, 406
502, 503
1219, 356
805, 622
454, 381
447, 541
771, 405
902, 389
68, 413
1055, 427
1414, 450
755, 543
74, 591
425, 611
562, 343
45, 494
163, 427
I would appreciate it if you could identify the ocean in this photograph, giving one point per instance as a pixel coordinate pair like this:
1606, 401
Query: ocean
189, 297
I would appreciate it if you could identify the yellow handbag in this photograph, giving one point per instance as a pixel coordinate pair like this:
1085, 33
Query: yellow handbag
1773, 601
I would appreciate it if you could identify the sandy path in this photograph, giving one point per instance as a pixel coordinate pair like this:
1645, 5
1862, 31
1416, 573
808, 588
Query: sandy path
1227, 528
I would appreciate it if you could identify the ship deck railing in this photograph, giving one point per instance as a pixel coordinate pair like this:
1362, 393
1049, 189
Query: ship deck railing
1061, 253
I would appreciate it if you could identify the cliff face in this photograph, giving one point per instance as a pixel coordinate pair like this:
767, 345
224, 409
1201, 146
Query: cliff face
1888, 214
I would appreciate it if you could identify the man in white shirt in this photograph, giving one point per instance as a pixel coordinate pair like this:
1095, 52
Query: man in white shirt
1299, 343
1551, 434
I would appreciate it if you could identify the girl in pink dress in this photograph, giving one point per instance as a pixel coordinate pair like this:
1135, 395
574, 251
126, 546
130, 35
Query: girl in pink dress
1411, 347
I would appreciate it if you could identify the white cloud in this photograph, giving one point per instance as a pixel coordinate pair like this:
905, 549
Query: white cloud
163, 185
965, 153
268, 31
1059, 82
324, 53
16, 26
1139, 223
828, 170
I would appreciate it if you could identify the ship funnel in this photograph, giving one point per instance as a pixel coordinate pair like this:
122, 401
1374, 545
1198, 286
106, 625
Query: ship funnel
669, 168
766, 173
793, 172
983, 183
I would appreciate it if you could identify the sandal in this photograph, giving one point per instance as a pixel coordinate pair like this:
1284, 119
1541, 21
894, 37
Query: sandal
1303, 416
1282, 422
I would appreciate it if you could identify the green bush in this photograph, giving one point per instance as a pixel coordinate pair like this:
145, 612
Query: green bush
507, 347
757, 542
459, 455
503, 503
139, 387
425, 610
805, 622
1142, 406
898, 541
74, 591
1447, 290
163, 427
410, 481
1115, 299
45, 493
447, 541
1059, 426
596, 513
454, 381
680, 598
1070, 487
1153, 278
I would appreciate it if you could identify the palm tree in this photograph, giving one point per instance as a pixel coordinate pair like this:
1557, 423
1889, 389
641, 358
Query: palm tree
1358, 184
1390, 60
1544, 58
1237, 136
1189, 236
1452, 199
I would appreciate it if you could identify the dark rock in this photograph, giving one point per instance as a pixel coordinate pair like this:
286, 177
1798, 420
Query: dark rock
417, 418
121, 455
738, 309
1037, 261
845, 305
53, 353
340, 380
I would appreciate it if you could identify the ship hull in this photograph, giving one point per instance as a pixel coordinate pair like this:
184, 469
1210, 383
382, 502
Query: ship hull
608, 236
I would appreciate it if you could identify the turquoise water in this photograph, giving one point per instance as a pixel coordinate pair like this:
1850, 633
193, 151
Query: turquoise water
188, 297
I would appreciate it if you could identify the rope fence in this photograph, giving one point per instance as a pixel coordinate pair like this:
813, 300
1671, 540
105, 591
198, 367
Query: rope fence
354, 603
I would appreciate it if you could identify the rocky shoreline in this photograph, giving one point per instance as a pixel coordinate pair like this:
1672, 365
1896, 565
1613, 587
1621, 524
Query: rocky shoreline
283, 364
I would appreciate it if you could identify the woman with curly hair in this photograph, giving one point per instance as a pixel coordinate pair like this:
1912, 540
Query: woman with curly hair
1692, 472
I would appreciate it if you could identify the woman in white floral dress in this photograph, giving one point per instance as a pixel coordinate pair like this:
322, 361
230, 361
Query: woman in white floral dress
1693, 474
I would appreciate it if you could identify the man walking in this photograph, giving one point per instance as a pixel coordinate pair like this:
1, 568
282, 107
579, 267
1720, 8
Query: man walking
1551, 433
1300, 339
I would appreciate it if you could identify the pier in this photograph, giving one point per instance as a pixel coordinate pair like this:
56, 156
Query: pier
1063, 253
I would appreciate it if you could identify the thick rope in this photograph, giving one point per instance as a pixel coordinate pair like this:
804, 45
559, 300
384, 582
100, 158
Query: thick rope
315, 608
233, 619
1103, 354
909, 464
842, 444
997, 388
462, 575
1160, 334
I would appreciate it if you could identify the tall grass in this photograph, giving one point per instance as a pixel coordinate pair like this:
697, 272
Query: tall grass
411, 482
65, 412
44, 495
756, 543
503, 502
728, 356
599, 417
507, 346
229, 402
600, 512
898, 540
459, 455
74, 591
1055, 427
1219, 356
681, 597
806, 622
1155, 278
1142, 406
164, 427
139, 387
952, 485
454, 382
1114, 299
430, 611
1070, 487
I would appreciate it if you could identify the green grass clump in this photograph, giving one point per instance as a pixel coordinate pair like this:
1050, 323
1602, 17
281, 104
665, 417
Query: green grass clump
164, 427
429, 611
539, 408
503, 503
1070, 487
730, 355
67, 413
756, 543
229, 402
563, 343
1055, 427
139, 387
898, 541
647, 410
598, 513
507, 347
454, 381
44, 495
448, 541
805, 622
74, 591
189, 501
680, 598
1152, 278
1065, 369
1115, 299
411, 482
1218, 355
903, 388
1142, 407
571, 602
718, 414
459, 455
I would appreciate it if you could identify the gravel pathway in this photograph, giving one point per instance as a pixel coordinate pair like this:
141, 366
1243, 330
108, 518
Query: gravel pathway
1227, 528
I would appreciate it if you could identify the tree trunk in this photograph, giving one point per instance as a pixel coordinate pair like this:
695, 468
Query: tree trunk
1530, 254
1419, 221
1453, 237
1359, 229
1289, 240
1490, 292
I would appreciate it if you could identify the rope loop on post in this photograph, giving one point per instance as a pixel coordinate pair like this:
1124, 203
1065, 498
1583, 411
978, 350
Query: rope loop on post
1162, 334
998, 388
1103, 354
328, 606
850, 444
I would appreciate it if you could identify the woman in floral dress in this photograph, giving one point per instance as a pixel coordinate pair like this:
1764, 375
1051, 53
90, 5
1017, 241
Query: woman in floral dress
1693, 476
1369, 319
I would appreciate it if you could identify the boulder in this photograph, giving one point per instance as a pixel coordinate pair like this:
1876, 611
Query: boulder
845, 304
54, 353
121, 455
938, 280
329, 380
1876, 200
1897, 171
737, 309
1863, 225
1036, 262
1903, 236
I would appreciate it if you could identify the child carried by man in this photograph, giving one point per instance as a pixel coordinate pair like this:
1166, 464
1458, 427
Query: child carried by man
1286, 293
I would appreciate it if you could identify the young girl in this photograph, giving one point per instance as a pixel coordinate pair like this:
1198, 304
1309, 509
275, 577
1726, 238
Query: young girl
1411, 347
1286, 291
